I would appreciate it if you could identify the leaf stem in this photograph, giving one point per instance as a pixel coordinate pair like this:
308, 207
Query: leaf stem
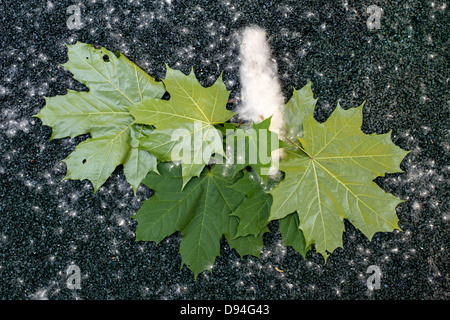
306, 152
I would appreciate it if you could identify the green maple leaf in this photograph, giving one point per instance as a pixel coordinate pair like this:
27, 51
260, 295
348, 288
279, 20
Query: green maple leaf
114, 83
191, 144
200, 211
254, 210
292, 235
329, 177
253, 147
301, 103
187, 120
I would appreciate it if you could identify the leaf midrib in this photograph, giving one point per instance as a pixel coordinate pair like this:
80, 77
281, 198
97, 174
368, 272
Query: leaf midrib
193, 101
110, 143
355, 195
107, 80
344, 126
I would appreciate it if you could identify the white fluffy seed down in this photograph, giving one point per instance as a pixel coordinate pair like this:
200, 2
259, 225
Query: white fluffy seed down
261, 95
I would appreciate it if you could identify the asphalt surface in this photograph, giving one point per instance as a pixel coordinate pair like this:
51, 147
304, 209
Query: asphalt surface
401, 70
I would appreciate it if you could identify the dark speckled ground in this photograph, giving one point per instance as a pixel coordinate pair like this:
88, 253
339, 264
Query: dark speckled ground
401, 70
